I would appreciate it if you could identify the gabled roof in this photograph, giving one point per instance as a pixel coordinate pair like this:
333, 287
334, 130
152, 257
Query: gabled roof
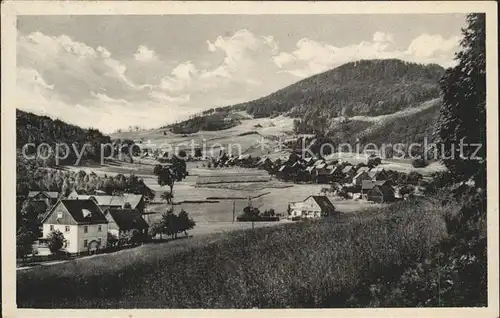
308, 159
112, 200
310, 169
323, 202
127, 219
50, 194
296, 165
369, 184
263, 160
78, 209
318, 162
360, 173
385, 189
347, 169
282, 168
321, 166
336, 169
365, 169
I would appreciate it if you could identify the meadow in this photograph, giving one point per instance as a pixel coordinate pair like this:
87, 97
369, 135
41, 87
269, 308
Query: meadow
325, 263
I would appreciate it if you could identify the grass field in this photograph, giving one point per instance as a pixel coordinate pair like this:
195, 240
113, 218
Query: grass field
329, 263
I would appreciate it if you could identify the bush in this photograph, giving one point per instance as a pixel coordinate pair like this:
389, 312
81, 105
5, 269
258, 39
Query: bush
413, 177
419, 163
56, 241
373, 162
112, 239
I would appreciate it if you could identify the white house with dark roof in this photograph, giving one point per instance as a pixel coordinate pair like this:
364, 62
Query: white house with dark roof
314, 206
82, 223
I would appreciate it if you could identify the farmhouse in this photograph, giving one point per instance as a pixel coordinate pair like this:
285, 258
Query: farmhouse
308, 161
136, 201
314, 206
363, 169
319, 162
335, 173
360, 177
264, 163
82, 223
49, 197
124, 221
349, 171
368, 185
381, 194
378, 175
322, 173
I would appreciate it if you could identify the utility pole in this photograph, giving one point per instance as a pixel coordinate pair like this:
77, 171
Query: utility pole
234, 203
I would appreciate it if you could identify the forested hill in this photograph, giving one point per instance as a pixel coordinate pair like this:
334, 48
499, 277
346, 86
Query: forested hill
367, 87
31, 128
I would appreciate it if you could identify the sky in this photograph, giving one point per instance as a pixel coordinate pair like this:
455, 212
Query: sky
111, 72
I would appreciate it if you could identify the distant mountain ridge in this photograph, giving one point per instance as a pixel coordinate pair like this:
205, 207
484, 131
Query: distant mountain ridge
366, 87
361, 88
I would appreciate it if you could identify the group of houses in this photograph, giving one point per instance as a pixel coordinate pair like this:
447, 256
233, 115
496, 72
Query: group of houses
366, 182
85, 220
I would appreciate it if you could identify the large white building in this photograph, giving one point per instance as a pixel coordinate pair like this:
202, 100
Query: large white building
82, 222
314, 206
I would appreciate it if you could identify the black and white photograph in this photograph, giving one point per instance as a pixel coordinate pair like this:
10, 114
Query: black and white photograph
175, 158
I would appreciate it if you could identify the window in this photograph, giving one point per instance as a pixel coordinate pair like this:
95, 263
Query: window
67, 243
99, 240
59, 215
85, 229
66, 228
99, 228
85, 242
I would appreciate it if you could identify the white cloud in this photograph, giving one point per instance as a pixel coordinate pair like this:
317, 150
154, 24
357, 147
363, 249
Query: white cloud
426, 45
383, 37
90, 87
144, 54
86, 86
312, 57
246, 60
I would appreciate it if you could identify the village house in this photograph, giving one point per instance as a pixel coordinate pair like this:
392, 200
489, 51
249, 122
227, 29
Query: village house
121, 222
349, 171
127, 200
319, 162
378, 174
309, 161
368, 185
381, 194
314, 206
49, 197
295, 170
264, 163
82, 223
335, 174
360, 177
322, 173
363, 169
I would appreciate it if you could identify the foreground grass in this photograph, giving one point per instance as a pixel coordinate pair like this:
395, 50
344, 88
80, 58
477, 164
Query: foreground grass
313, 264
